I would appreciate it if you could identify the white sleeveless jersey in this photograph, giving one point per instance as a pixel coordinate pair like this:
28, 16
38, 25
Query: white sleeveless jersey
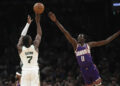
29, 57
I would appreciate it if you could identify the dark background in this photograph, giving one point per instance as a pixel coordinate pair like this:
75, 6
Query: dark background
94, 18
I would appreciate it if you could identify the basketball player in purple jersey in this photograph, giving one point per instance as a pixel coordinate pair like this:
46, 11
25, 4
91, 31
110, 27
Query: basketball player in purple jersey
82, 50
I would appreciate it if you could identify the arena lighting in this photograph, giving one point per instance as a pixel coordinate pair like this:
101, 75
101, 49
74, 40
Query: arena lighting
116, 4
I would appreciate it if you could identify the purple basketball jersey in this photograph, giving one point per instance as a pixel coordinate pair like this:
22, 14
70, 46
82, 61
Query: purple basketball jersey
84, 58
83, 55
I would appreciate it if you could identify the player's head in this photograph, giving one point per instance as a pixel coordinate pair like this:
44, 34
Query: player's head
27, 40
81, 38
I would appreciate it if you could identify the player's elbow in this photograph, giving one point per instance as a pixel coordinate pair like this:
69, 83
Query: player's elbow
39, 36
107, 41
104, 42
17, 46
39, 33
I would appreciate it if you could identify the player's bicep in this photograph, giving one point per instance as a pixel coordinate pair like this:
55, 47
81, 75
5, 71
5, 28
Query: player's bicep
97, 44
19, 49
93, 44
19, 44
37, 41
74, 43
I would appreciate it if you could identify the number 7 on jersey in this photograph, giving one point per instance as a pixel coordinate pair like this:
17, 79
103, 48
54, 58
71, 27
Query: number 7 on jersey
29, 58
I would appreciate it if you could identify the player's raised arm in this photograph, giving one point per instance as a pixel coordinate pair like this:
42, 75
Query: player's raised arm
39, 32
66, 33
23, 33
103, 42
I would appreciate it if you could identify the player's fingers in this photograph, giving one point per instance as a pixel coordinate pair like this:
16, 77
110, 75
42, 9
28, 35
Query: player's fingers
50, 13
29, 16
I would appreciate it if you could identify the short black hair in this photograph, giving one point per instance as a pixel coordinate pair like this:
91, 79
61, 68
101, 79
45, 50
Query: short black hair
26, 40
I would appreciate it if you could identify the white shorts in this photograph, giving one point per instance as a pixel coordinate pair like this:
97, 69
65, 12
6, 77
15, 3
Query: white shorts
30, 78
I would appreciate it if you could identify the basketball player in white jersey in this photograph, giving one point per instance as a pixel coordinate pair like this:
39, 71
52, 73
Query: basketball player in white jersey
28, 52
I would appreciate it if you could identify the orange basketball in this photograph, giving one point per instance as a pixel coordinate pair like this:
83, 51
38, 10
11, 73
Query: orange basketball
38, 8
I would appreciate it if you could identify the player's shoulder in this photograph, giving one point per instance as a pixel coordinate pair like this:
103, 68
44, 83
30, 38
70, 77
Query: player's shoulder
23, 48
87, 44
32, 46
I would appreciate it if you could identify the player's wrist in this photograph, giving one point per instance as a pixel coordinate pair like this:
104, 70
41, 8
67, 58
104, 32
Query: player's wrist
56, 21
119, 31
28, 22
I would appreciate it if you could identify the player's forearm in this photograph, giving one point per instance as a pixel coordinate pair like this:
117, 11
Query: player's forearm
39, 30
113, 37
109, 39
37, 18
61, 28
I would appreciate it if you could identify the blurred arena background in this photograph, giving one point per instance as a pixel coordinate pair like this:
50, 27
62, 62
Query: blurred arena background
98, 19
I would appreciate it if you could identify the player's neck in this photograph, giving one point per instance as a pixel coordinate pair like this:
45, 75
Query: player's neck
81, 44
27, 46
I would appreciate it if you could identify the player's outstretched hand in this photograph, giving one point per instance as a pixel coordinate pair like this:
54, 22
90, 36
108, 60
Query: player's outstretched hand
52, 16
29, 20
37, 18
119, 31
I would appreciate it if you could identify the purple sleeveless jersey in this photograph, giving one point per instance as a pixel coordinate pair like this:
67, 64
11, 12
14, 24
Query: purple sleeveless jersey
87, 67
83, 56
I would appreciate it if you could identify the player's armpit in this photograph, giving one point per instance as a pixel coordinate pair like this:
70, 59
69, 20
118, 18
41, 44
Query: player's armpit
19, 50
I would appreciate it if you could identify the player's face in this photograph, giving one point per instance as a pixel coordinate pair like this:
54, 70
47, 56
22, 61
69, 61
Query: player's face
81, 38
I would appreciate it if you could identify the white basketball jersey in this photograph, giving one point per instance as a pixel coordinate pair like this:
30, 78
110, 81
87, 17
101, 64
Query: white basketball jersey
29, 57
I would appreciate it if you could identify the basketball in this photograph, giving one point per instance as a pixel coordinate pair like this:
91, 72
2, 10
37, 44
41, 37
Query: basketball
38, 8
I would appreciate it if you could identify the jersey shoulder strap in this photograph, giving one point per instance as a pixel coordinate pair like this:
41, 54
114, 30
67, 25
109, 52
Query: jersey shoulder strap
88, 46
32, 46
23, 48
